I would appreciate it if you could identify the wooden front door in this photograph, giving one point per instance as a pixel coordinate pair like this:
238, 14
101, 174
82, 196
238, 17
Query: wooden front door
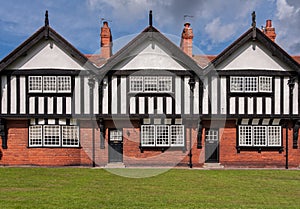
211, 146
115, 150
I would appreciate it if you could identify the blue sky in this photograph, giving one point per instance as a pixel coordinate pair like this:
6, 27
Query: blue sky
216, 23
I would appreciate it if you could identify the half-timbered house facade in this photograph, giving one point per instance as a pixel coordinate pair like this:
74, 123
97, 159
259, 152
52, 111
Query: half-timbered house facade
150, 104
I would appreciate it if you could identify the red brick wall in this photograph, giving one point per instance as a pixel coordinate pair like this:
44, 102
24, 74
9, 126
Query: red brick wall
18, 152
266, 158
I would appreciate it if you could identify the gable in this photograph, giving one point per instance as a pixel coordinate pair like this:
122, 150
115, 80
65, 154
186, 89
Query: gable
253, 55
150, 55
46, 54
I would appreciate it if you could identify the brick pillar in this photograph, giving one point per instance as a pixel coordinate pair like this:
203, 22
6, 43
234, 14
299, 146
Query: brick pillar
106, 41
187, 36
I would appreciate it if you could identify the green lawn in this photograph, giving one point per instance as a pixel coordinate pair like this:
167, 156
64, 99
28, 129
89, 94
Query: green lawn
177, 188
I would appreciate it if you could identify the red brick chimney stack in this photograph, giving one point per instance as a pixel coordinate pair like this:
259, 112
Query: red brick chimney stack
269, 30
187, 36
106, 41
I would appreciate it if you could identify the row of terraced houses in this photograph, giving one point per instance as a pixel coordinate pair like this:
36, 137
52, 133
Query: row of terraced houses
152, 103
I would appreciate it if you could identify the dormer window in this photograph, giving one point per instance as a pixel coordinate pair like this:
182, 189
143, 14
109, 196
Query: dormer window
239, 84
49, 84
150, 84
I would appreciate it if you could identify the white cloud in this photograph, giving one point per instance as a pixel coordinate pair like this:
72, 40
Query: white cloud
287, 24
219, 32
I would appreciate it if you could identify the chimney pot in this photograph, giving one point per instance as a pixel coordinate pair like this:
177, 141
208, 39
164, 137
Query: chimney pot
187, 36
268, 23
269, 30
106, 41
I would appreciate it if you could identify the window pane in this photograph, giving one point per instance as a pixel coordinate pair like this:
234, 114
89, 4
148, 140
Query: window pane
64, 83
162, 135
251, 84
236, 84
136, 84
150, 84
259, 135
51, 135
49, 84
245, 135
211, 135
35, 136
35, 83
177, 135
265, 84
148, 135
116, 135
164, 84
274, 136
70, 136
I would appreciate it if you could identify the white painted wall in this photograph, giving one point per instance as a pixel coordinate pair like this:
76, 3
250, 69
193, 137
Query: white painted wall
46, 55
253, 55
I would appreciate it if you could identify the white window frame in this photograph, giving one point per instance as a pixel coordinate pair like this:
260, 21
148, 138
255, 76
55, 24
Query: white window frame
249, 80
212, 135
146, 137
266, 132
62, 135
32, 81
35, 134
278, 135
148, 80
45, 88
259, 136
162, 133
136, 88
161, 83
244, 133
167, 85
67, 87
234, 81
265, 80
251, 84
51, 135
178, 136
172, 135
74, 135
116, 135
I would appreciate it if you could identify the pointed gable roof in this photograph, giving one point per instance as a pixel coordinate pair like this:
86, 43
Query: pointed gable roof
46, 32
276, 50
151, 33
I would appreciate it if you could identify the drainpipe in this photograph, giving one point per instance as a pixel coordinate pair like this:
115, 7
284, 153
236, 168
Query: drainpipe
291, 83
91, 83
192, 86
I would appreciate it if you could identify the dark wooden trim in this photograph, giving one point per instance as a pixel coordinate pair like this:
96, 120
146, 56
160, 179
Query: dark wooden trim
64, 105
82, 96
149, 72
173, 96
36, 105
218, 94
137, 105
18, 94
109, 102
146, 105
42, 72
182, 95
281, 94
46, 105
8, 99
164, 104
55, 105
209, 80
253, 72
119, 100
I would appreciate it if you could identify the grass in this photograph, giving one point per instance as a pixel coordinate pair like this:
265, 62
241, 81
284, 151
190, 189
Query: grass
177, 188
